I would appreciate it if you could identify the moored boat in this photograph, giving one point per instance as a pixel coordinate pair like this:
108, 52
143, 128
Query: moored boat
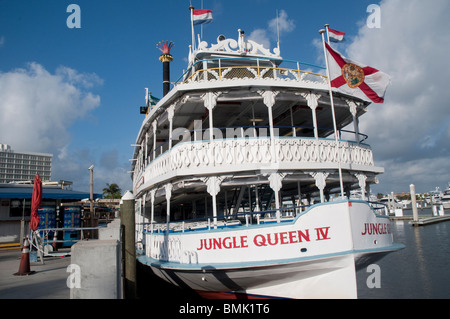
242, 174
445, 198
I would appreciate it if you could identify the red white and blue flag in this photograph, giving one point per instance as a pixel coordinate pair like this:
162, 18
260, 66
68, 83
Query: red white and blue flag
201, 16
335, 36
354, 78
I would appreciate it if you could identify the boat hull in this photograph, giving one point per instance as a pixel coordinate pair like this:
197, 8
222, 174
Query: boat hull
314, 256
330, 277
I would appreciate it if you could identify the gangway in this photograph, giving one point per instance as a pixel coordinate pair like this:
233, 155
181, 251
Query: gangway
43, 245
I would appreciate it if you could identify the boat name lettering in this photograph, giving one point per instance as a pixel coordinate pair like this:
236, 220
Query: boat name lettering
225, 243
262, 240
376, 229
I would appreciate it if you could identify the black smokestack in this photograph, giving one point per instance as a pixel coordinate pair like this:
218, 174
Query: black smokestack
166, 78
166, 58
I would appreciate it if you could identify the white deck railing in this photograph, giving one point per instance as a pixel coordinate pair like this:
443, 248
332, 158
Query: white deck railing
252, 71
231, 155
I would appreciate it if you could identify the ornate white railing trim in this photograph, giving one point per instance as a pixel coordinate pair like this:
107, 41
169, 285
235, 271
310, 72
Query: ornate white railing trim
228, 155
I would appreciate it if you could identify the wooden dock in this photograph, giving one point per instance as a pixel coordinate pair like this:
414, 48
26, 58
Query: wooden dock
429, 220
422, 220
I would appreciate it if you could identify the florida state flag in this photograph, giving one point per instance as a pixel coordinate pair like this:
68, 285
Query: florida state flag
356, 79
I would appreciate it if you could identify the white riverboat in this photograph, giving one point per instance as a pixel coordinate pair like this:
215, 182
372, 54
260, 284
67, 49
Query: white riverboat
240, 182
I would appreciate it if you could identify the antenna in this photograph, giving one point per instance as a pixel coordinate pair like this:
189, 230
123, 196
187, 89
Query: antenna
278, 32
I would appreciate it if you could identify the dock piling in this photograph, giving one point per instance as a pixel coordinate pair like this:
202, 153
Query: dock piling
127, 219
413, 202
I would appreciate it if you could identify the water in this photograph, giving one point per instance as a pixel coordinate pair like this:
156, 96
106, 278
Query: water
421, 270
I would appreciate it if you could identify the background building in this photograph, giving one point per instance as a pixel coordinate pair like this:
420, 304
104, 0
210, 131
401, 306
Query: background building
22, 166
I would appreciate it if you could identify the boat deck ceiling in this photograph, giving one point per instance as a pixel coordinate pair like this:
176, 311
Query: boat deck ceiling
185, 192
240, 109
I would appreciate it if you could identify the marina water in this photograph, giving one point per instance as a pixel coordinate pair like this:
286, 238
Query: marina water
420, 270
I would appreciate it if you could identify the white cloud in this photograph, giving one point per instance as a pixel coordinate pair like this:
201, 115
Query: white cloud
409, 132
282, 25
260, 36
84, 80
38, 108
2, 40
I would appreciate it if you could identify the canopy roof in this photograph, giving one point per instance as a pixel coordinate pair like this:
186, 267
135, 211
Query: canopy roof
25, 192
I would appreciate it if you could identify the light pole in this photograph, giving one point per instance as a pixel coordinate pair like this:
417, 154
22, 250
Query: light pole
91, 198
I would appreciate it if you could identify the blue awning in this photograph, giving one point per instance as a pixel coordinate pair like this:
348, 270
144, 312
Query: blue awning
47, 193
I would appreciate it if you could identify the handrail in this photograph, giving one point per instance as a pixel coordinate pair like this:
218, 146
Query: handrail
223, 218
257, 68
293, 127
257, 60
247, 216
157, 156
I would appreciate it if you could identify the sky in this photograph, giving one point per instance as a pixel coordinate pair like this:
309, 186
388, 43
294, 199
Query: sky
76, 92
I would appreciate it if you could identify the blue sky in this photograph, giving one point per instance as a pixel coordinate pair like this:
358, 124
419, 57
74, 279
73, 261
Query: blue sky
76, 93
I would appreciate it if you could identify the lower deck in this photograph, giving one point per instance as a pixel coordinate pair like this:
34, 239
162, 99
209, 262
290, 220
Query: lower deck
313, 254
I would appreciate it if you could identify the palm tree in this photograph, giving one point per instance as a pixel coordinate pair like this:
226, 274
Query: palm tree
112, 191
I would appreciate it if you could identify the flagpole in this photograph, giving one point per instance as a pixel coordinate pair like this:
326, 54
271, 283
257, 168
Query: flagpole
191, 8
328, 34
201, 26
333, 113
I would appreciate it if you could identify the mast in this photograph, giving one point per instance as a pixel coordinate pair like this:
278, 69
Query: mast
191, 8
328, 35
322, 31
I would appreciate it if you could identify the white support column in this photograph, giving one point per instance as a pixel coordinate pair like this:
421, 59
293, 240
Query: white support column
152, 215
137, 218
170, 113
146, 148
320, 178
155, 125
269, 101
168, 188
226, 204
213, 188
294, 131
210, 101
142, 156
257, 208
362, 184
275, 180
353, 110
313, 102
143, 219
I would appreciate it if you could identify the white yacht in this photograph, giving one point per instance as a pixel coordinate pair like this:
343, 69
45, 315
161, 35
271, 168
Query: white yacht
445, 198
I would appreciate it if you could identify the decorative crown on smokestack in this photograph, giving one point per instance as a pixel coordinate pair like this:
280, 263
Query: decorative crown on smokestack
165, 48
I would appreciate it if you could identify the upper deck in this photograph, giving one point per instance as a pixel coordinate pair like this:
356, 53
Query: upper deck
240, 110
241, 68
